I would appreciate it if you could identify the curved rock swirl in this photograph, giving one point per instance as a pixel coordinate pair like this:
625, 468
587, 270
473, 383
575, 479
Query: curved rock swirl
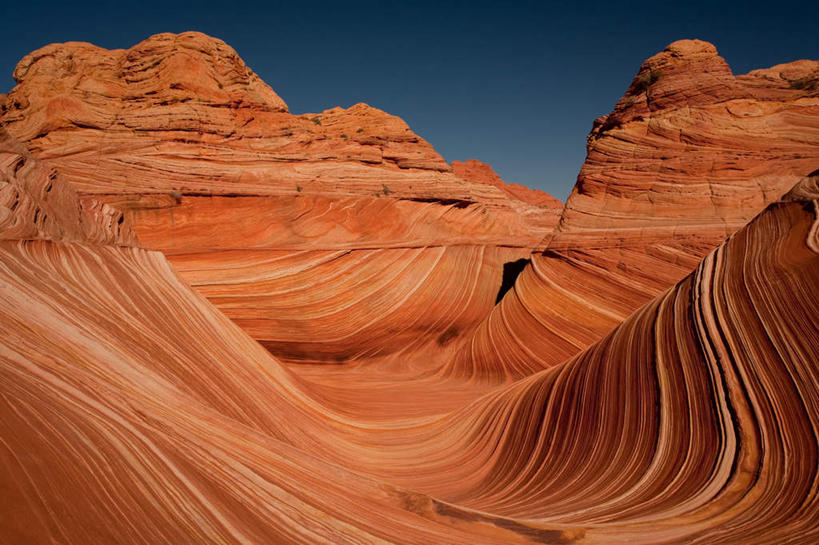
339, 306
694, 421
36, 203
210, 167
154, 418
688, 156
133, 412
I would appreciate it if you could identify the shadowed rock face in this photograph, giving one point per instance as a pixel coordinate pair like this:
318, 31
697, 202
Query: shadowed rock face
689, 155
136, 409
267, 213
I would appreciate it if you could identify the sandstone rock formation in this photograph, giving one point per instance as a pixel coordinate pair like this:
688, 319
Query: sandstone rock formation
692, 422
269, 213
476, 171
138, 407
35, 203
689, 155
538, 207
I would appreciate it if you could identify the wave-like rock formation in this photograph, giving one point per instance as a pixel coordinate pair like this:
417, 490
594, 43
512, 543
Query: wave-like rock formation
694, 421
537, 207
36, 204
139, 407
208, 166
146, 433
135, 412
689, 155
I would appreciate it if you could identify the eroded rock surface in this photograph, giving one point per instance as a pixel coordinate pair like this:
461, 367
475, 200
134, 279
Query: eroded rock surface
36, 203
254, 204
689, 154
136, 410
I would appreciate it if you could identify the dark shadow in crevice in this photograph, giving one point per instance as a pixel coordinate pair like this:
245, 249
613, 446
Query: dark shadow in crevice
457, 203
511, 271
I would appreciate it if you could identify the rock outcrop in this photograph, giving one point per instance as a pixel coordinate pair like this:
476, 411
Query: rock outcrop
539, 208
137, 409
35, 203
692, 422
691, 148
476, 171
688, 156
260, 208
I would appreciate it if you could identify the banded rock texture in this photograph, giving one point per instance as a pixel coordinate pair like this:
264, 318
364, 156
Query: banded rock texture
689, 155
536, 206
36, 204
476, 171
254, 204
170, 429
135, 412
693, 421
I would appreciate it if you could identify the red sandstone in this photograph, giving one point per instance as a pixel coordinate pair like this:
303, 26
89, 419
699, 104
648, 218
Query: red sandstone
176, 250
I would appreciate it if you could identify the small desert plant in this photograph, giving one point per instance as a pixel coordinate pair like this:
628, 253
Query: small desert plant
316, 120
299, 188
610, 123
360, 130
646, 80
344, 136
386, 189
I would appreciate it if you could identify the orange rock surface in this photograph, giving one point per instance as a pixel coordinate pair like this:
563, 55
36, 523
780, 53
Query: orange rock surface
36, 203
537, 207
688, 156
476, 171
691, 422
268, 213
139, 407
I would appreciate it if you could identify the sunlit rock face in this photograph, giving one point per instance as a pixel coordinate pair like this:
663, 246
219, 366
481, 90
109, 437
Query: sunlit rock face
279, 219
689, 154
690, 147
136, 412
539, 208
36, 203
155, 384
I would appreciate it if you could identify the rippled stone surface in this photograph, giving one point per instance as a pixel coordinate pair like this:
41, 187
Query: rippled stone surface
688, 156
254, 204
139, 407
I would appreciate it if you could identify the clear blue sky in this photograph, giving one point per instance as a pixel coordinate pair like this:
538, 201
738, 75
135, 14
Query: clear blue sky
515, 84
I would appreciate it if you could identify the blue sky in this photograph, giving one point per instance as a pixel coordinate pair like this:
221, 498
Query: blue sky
514, 84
